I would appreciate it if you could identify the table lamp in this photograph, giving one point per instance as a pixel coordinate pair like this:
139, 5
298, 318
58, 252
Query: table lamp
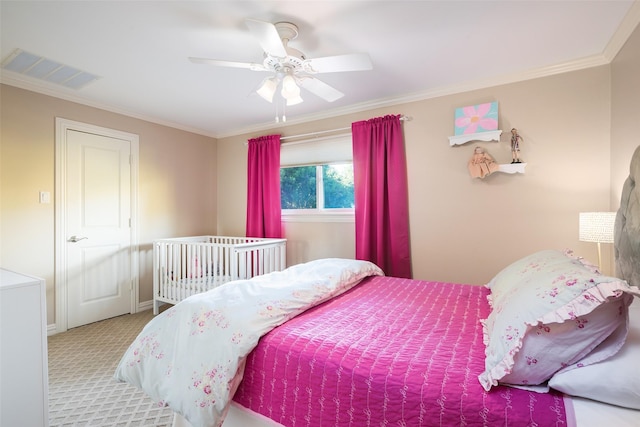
597, 227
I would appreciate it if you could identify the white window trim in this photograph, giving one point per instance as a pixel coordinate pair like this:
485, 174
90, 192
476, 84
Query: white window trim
318, 215
320, 158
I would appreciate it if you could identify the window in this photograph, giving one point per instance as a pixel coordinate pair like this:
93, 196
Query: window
316, 180
317, 187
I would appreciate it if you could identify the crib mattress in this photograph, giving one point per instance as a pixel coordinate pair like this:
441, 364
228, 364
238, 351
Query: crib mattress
210, 281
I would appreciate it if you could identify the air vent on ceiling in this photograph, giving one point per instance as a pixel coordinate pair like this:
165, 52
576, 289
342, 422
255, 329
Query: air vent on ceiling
46, 69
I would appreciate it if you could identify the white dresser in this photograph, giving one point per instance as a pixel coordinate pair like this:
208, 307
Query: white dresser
24, 382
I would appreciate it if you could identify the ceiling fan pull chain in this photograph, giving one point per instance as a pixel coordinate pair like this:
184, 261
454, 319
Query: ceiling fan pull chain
284, 110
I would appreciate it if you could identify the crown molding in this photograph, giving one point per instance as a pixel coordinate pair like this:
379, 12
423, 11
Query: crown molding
579, 64
33, 85
626, 27
576, 65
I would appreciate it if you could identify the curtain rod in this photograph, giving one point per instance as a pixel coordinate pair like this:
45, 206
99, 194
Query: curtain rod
321, 132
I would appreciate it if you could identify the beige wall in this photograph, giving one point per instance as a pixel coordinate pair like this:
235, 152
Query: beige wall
464, 229
177, 182
625, 112
307, 241
578, 131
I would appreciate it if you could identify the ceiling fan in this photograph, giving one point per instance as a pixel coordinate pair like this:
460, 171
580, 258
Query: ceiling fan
291, 69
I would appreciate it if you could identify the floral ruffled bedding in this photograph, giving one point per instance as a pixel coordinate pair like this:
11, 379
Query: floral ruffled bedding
191, 357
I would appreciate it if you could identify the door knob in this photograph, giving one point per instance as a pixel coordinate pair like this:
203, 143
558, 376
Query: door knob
74, 239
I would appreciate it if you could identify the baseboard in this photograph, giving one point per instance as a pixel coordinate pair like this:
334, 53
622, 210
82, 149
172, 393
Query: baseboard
51, 329
146, 305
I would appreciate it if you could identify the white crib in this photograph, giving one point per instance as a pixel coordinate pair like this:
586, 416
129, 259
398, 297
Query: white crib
189, 265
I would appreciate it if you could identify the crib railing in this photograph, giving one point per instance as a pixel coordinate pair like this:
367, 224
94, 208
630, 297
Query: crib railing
189, 265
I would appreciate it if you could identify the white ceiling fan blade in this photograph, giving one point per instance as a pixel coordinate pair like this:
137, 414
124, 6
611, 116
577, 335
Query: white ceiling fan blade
233, 64
338, 63
268, 37
320, 88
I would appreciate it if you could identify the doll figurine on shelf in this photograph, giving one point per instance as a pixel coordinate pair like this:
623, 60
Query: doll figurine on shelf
515, 146
481, 164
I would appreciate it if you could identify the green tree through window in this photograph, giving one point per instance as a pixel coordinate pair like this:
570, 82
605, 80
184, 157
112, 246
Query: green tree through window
317, 187
338, 186
298, 187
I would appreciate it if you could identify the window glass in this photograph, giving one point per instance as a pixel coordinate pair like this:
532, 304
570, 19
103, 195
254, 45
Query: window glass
318, 187
316, 179
338, 186
298, 187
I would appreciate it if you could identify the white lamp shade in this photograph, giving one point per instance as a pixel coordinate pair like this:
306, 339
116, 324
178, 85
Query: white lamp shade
268, 89
597, 227
290, 89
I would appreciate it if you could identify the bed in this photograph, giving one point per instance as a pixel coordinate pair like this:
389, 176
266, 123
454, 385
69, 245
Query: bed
333, 342
186, 266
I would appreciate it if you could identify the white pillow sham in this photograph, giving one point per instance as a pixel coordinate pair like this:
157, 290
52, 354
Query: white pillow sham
550, 311
615, 380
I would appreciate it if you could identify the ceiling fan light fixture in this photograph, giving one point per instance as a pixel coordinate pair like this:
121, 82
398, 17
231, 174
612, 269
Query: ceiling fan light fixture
268, 89
290, 88
290, 67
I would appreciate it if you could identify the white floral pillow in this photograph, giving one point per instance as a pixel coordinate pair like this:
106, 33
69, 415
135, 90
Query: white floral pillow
549, 311
615, 380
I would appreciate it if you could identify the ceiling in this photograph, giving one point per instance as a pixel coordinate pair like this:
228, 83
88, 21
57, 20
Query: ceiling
419, 49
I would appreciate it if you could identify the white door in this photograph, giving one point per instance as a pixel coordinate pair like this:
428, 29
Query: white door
98, 227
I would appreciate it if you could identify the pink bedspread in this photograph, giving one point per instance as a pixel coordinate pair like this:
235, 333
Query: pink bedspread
388, 352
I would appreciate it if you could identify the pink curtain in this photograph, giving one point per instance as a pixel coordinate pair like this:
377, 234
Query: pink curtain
381, 195
263, 187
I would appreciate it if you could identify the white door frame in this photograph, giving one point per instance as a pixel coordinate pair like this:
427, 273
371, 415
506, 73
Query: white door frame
62, 126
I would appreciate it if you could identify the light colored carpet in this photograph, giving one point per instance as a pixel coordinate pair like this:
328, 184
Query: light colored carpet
82, 391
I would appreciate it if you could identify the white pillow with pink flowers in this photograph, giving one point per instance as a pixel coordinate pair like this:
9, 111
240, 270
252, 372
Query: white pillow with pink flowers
615, 380
550, 311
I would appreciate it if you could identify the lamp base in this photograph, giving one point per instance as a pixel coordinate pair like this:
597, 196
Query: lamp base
599, 258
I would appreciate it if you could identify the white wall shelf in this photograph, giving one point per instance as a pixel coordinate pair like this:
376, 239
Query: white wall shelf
493, 135
512, 168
